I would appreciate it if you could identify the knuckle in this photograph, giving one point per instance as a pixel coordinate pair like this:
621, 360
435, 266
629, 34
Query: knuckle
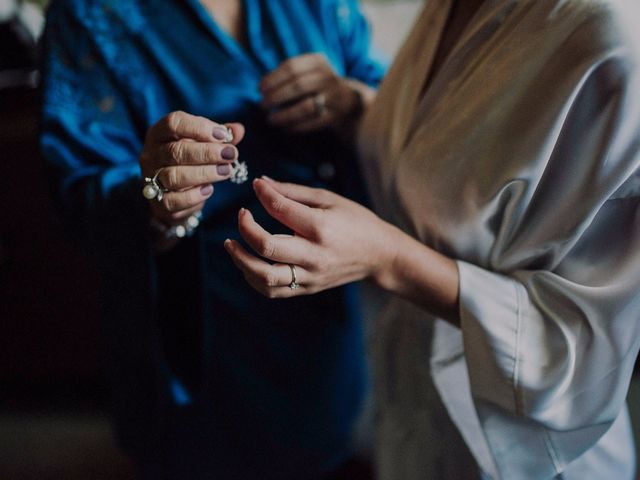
197, 153
202, 126
192, 197
175, 152
173, 120
319, 229
268, 279
323, 196
171, 203
313, 263
277, 206
213, 153
202, 173
266, 248
172, 179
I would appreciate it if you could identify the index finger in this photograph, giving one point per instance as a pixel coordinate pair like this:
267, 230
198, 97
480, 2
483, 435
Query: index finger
181, 125
298, 217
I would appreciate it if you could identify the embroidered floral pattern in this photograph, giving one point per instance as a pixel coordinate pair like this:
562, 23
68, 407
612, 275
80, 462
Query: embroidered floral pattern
88, 73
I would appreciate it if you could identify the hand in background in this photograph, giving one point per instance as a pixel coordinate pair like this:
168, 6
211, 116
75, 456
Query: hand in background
305, 94
193, 153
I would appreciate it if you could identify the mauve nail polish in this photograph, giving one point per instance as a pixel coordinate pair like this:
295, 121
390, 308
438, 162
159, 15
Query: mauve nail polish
219, 133
224, 169
228, 153
206, 190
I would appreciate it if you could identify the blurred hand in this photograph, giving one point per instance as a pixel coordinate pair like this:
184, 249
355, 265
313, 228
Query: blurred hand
336, 241
193, 153
305, 94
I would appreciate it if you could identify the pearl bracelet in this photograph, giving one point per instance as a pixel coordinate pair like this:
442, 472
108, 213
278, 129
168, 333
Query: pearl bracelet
185, 229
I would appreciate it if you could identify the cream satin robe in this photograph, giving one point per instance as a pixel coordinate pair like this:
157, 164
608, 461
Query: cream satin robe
520, 159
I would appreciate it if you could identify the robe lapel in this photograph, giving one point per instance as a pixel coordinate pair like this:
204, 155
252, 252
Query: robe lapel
418, 54
452, 71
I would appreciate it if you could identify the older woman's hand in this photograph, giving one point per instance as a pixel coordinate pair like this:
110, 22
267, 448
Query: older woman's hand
336, 241
192, 153
305, 94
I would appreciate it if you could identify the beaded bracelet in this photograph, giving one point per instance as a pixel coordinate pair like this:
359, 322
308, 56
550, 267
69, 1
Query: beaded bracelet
185, 229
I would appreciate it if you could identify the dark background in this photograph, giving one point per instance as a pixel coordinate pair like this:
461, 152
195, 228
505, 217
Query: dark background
53, 403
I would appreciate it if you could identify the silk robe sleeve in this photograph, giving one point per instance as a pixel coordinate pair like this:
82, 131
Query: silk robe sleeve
88, 137
551, 330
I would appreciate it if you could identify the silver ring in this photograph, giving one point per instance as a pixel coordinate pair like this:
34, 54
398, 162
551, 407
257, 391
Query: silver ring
153, 188
320, 104
294, 279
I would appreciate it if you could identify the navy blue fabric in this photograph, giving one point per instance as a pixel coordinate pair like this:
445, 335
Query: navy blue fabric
271, 388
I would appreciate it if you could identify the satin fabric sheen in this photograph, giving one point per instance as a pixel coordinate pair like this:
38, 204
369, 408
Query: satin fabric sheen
520, 160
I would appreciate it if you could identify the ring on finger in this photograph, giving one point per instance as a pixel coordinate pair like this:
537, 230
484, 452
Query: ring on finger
320, 104
294, 279
153, 188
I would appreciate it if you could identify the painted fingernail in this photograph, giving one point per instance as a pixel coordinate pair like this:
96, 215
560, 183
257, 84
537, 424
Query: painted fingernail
220, 133
206, 190
224, 169
228, 153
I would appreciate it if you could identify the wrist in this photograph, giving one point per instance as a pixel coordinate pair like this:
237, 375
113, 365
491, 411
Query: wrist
355, 103
385, 267
357, 97
422, 275
167, 236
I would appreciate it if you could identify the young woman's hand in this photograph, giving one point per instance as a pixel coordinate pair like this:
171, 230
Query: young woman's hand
336, 241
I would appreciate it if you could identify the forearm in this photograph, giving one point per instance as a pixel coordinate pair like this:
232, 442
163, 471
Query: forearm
422, 275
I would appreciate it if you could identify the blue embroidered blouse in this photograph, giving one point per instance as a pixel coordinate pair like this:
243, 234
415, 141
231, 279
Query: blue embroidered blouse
263, 389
